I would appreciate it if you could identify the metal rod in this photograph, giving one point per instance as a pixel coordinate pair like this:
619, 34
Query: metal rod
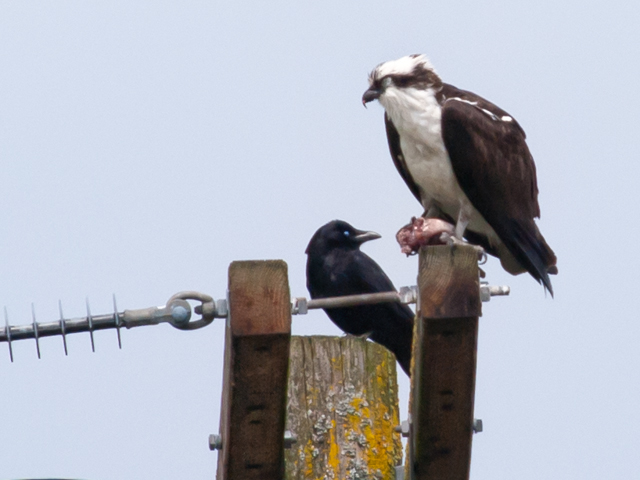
178, 312
406, 295
50, 329
352, 300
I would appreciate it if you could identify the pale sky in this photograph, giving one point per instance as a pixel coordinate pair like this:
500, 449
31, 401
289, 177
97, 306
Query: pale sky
146, 145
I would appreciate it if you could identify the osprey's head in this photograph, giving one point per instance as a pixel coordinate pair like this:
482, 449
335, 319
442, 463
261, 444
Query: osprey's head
413, 71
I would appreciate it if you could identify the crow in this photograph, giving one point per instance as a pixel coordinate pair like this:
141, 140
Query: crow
337, 267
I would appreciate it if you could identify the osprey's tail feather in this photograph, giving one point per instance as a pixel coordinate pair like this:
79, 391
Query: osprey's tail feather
529, 247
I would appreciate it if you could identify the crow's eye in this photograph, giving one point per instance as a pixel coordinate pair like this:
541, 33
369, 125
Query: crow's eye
346, 233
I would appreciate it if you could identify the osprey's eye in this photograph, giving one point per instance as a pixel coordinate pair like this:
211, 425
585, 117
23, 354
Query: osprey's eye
402, 80
386, 82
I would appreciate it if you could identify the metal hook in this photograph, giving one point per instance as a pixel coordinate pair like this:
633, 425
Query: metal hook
90, 321
116, 316
7, 331
63, 328
35, 329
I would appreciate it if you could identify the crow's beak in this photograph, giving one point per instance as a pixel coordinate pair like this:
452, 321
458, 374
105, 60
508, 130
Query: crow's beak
363, 236
371, 95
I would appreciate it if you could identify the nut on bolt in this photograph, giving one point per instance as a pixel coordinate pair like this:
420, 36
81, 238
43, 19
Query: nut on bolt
404, 428
215, 442
477, 425
289, 439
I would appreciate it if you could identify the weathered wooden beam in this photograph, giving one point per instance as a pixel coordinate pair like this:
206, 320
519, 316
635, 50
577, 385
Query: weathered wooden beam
444, 363
258, 333
342, 407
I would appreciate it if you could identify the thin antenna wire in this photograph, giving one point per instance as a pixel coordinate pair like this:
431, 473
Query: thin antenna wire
7, 330
63, 328
118, 321
35, 329
90, 321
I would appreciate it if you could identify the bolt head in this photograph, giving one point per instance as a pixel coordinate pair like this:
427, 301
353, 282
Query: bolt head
289, 439
477, 425
215, 442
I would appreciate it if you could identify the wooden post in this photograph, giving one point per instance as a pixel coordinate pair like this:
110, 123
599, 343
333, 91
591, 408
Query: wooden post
256, 360
342, 407
444, 363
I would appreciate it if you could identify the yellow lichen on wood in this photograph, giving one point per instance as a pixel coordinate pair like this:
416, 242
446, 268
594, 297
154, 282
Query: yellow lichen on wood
343, 408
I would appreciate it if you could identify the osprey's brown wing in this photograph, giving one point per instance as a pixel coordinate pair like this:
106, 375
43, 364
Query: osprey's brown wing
495, 169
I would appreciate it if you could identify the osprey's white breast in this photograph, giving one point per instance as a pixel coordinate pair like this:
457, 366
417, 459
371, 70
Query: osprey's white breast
417, 116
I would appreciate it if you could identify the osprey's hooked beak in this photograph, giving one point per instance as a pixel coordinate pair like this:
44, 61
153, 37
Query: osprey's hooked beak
364, 236
371, 95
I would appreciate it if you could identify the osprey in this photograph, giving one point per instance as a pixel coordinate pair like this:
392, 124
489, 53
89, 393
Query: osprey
466, 161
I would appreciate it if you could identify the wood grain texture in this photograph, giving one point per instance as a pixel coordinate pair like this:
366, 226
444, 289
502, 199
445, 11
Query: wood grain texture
257, 290
444, 364
343, 407
448, 282
255, 372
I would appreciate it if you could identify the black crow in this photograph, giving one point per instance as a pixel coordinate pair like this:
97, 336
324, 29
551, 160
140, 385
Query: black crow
337, 267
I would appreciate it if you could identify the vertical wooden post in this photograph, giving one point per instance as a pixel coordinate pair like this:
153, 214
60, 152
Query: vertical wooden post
444, 363
343, 408
256, 360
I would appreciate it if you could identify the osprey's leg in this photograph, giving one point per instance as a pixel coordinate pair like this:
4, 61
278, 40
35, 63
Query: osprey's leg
464, 216
431, 211
463, 221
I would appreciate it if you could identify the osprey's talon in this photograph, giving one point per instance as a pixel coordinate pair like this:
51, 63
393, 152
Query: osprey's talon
451, 240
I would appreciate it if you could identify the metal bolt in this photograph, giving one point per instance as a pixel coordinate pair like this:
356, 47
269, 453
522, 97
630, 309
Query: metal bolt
222, 308
179, 314
487, 291
299, 306
408, 294
477, 425
215, 442
289, 439
404, 428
